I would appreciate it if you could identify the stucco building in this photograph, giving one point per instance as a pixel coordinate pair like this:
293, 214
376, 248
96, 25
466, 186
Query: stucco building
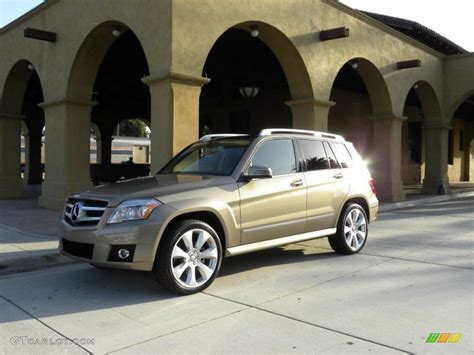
402, 93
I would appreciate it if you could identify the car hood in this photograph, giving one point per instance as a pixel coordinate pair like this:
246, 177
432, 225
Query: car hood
153, 187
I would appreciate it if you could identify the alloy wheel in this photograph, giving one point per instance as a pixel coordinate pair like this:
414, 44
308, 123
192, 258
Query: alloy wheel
194, 258
355, 229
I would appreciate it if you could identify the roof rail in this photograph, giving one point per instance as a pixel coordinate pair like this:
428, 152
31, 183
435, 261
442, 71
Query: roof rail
271, 131
210, 137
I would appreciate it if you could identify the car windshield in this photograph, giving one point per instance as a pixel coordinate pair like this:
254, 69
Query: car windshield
214, 157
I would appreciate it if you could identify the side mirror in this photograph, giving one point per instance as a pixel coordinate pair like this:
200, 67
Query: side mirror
259, 172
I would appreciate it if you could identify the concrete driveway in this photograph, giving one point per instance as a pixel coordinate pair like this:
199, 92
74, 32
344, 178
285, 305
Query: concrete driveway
415, 277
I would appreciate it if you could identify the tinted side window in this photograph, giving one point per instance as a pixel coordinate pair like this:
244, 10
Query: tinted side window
314, 155
278, 155
342, 155
332, 158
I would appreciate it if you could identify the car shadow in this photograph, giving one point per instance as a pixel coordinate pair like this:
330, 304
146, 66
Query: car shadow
273, 257
81, 288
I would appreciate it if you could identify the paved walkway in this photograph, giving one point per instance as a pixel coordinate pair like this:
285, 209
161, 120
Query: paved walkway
414, 277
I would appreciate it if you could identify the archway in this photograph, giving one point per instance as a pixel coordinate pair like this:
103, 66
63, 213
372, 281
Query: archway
421, 108
35, 122
363, 115
413, 141
254, 71
360, 93
22, 93
461, 142
108, 71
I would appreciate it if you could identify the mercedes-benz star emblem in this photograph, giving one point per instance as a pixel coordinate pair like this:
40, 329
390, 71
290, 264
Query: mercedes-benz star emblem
76, 212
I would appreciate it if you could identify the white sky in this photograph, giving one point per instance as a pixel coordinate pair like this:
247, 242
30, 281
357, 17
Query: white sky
451, 18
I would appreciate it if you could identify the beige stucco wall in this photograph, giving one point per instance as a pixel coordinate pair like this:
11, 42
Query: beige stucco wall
196, 28
177, 35
73, 21
458, 81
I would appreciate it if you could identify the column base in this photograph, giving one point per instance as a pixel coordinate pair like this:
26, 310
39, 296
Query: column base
387, 194
11, 188
54, 194
34, 181
436, 188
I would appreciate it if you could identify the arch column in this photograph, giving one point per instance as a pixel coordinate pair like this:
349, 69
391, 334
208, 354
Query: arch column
11, 183
33, 171
387, 157
436, 161
67, 158
174, 114
311, 114
104, 146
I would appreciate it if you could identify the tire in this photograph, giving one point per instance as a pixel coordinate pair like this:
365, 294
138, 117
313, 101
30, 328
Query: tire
188, 258
350, 237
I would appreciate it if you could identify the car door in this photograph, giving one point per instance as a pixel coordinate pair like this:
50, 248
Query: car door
323, 189
273, 207
340, 163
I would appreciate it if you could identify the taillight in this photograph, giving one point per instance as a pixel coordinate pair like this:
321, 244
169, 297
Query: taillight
372, 184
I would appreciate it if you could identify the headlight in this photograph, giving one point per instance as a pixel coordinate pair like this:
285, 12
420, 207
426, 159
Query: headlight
133, 210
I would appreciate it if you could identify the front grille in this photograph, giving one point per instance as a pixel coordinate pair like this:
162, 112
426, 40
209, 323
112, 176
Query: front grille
81, 250
84, 213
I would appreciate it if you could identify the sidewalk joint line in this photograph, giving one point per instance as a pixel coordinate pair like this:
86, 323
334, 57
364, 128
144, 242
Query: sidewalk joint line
43, 323
178, 330
310, 324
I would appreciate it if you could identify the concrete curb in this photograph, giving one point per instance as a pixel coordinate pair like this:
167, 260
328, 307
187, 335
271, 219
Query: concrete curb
34, 262
423, 201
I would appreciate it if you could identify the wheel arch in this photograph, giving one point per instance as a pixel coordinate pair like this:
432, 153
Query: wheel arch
208, 216
361, 201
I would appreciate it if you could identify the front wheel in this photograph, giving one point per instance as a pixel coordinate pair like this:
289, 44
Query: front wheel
352, 230
189, 257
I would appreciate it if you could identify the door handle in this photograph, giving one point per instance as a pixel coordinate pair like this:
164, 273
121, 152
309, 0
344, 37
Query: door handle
338, 176
297, 183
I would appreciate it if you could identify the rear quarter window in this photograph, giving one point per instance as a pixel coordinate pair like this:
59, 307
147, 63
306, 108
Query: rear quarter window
342, 155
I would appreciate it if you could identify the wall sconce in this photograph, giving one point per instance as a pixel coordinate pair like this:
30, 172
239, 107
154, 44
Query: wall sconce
354, 64
116, 32
249, 92
255, 31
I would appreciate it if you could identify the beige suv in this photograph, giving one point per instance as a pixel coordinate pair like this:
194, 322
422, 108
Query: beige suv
222, 196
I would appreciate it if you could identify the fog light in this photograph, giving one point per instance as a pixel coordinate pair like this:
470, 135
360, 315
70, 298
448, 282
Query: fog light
123, 253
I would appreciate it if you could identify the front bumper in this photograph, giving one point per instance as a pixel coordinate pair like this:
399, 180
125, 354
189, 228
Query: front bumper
95, 244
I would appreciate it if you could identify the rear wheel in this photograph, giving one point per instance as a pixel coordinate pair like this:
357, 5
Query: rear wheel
189, 257
352, 230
